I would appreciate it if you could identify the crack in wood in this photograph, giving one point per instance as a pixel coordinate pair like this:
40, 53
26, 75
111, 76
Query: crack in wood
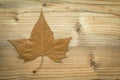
68, 2
74, 10
44, 4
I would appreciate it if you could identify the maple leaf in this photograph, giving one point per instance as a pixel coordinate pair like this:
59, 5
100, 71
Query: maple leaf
41, 43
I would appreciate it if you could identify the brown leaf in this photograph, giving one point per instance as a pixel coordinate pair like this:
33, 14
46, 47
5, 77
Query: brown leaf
41, 43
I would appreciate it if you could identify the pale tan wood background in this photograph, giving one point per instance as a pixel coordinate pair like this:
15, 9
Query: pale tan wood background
94, 26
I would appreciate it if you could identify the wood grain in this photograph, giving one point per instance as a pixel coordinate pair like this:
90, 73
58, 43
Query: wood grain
94, 26
76, 66
99, 23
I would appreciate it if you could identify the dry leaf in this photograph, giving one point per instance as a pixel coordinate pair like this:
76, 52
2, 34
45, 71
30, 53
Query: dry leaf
41, 43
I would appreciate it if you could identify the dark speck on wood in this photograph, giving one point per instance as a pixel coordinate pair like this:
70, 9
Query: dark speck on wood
16, 19
44, 4
1, 4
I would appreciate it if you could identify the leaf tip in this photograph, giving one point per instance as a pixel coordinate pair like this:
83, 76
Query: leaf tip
25, 61
9, 41
19, 57
59, 61
70, 38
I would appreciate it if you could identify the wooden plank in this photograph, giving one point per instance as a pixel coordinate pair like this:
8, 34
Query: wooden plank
77, 65
102, 30
94, 24
97, 27
98, 2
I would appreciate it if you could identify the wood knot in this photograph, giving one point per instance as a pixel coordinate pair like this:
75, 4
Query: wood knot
34, 71
78, 28
92, 61
44, 4
16, 19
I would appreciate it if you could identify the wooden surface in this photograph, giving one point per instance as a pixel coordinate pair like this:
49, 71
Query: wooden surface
89, 23
82, 64
94, 26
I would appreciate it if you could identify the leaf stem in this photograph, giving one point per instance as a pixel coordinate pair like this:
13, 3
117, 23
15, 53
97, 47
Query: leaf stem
40, 65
